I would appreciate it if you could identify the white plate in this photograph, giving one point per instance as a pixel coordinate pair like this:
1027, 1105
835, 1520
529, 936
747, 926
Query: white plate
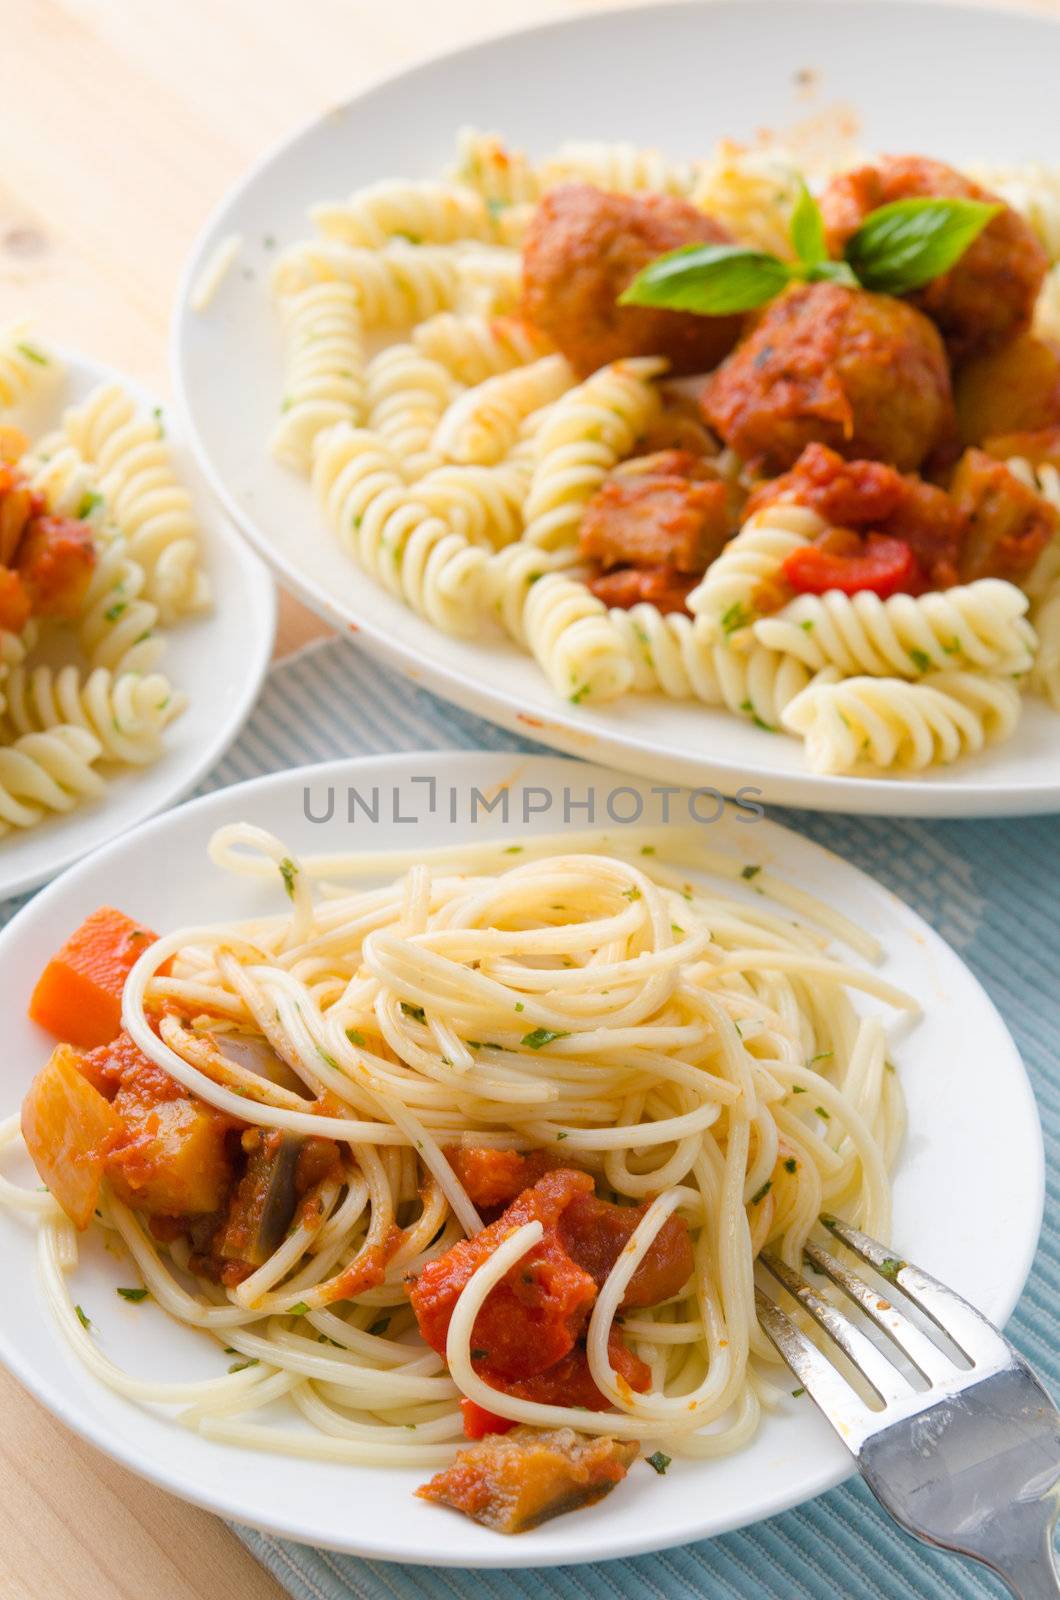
968, 1191
219, 660
676, 76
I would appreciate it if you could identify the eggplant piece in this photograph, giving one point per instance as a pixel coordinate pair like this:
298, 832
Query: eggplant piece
255, 1054
515, 1481
265, 1199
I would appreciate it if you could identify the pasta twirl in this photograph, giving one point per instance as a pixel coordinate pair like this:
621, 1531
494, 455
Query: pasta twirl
687, 1061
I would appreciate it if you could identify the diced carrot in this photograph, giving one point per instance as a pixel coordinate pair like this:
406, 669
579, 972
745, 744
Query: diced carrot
69, 1128
78, 995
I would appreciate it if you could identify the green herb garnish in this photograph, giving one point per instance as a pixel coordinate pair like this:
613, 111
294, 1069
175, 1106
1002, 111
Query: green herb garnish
898, 248
658, 1462
85, 1321
750, 872
355, 1036
417, 1013
241, 1366
299, 1309
761, 1193
135, 1295
542, 1036
288, 872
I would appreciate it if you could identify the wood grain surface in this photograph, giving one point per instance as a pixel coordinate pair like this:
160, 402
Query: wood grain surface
122, 124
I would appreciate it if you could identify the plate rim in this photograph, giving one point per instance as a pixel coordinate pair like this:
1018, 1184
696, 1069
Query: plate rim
560, 726
254, 573
96, 1431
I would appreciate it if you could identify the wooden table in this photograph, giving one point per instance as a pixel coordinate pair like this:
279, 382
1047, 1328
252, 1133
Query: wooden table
123, 124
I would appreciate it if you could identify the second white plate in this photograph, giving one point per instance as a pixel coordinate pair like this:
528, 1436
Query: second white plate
219, 660
672, 76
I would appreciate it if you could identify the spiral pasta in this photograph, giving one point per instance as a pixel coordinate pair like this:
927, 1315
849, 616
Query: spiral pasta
668, 653
422, 213
144, 497
590, 429
394, 536
752, 192
889, 723
485, 504
406, 395
483, 423
503, 177
118, 624
47, 772
395, 286
126, 715
620, 166
746, 580
473, 348
571, 636
1045, 678
982, 625
323, 368
24, 365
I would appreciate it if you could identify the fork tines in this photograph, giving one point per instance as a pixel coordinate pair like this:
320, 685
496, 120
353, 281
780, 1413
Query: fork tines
972, 1335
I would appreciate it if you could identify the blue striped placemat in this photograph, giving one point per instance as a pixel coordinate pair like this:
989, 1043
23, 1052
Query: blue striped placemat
991, 888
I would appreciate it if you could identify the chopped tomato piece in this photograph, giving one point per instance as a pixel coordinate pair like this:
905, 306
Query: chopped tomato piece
55, 561
494, 1177
478, 1421
519, 1480
595, 1233
663, 587
69, 1128
78, 995
885, 566
18, 505
570, 1383
535, 1314
16, 608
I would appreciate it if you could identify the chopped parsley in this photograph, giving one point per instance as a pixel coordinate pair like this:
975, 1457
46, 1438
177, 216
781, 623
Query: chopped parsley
632, 894
821, 1112
542, 1036
417, 1013
298, 1310
288, 872
31, 353
791, 1165
355, 1036
658, 1462
241, 1366
921, 660
579, 695
737, 616
89, 502
329, 1061
797, 1088
797, 1393
135, 1295
85, 1321
380, 1327
760, 1194
889, 1268
156, 412
513, 849
113, 612
647, 849
822, 1055
750, 872
560, 1136
519, 1006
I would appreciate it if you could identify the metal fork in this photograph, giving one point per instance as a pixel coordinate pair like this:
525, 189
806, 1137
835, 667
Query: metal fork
972, 1463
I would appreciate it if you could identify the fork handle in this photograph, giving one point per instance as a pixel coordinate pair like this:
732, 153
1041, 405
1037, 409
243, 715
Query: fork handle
1032, 1575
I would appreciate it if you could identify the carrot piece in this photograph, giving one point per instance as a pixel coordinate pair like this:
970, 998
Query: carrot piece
69, 1129
78, 995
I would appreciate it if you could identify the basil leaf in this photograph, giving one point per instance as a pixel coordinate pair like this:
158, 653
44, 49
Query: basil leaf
907, 243
831, 272
807, 229
714, 280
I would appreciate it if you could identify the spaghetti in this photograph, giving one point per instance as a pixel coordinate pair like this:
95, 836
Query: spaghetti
687, 1056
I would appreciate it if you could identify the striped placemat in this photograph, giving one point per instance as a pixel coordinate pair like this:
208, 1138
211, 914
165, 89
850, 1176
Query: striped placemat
992, 889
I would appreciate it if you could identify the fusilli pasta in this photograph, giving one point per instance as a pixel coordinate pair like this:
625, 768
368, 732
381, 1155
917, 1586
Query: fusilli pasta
889, 723
126, 715
324, 360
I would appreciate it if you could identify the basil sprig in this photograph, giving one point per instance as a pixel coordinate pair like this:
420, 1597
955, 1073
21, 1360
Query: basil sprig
898, 247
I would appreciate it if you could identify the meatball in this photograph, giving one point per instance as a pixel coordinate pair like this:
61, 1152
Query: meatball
862, 373
584, 246
1012, 390
988, 297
